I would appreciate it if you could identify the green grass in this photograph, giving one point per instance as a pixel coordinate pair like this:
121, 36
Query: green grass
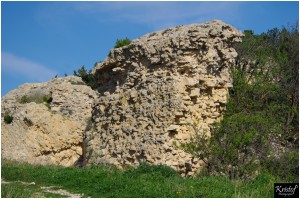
144, 181
46, 100
19, 190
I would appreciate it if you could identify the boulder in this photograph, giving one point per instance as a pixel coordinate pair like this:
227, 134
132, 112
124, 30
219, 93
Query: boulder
49, 121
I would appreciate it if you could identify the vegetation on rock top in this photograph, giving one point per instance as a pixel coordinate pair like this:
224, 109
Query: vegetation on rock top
122, 42
37, 99
87, 77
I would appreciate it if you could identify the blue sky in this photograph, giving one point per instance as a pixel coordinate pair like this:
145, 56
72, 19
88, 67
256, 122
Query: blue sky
44, 39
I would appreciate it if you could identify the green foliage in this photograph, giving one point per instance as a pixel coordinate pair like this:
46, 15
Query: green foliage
239, 140
262, 109
286, 166
144, 181
122, 42
19, 190
276, 55
157, 171
87, 77
16, 191
37, 98
8, 118
236, 145
24, 99
261, 186
255, 48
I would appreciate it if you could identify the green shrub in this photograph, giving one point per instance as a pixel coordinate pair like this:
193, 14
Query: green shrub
87, 77
37, 98
263, 105
286, 166
122, 42
240, 143
8, 119
237, 144
24, 99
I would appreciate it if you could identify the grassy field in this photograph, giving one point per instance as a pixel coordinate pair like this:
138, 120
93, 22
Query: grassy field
20, 190
108, 181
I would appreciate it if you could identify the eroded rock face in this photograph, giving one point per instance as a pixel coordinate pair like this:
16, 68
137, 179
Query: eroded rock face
46, 132
154, 89
151, 93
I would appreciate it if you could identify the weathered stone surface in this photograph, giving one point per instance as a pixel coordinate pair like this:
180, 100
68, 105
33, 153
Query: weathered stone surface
154, 89
151, 93
46, 135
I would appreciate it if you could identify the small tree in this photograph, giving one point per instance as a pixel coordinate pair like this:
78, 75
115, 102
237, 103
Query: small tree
122, 42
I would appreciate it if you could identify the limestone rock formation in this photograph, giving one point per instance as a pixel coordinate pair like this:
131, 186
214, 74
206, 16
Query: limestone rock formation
48, 121
150, 94
154, 89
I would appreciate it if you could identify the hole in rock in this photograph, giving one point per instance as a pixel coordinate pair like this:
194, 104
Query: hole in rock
172, 134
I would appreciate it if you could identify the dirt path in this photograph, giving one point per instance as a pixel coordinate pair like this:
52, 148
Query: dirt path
53, 189
50, 189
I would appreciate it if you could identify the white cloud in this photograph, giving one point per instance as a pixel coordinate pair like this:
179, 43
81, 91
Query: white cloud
156, 15
25, 68
159, 14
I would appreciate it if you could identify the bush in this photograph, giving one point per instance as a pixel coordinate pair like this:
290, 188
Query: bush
239, 141
235, 147
263, 104
24, 99
8, 119
87, 77
122, 42
37, 98
286, 166
237, 144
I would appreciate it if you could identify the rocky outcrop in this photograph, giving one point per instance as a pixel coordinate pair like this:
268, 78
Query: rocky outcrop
153, 94
155, 89
49, 120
